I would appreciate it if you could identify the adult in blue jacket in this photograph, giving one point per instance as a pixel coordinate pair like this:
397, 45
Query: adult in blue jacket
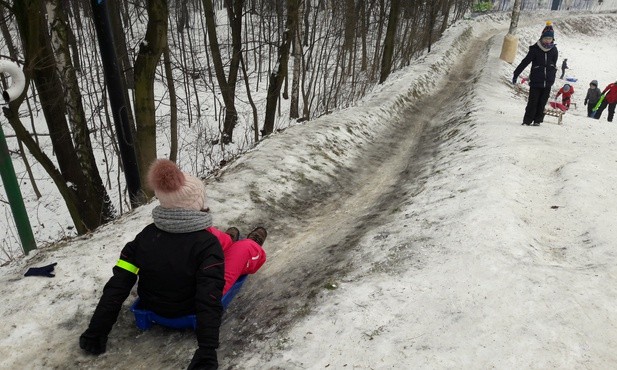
543, 57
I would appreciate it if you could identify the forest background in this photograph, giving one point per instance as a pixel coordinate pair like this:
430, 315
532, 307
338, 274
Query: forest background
206, 80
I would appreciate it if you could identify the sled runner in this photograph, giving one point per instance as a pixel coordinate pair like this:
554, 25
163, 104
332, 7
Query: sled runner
144, 319
555, 113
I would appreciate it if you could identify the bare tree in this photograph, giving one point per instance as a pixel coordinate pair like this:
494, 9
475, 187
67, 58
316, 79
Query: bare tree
276, 78
227, 85
173, 107
150, 51
60, 34
88, 208
388, 47
297, 55
350, 33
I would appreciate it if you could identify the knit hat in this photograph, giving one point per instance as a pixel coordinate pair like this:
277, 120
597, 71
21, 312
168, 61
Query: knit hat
566, 87
548, 30
594, 82
174, 188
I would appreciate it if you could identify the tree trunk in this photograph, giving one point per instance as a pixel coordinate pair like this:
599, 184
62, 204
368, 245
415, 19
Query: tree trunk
445, 10
380, 23
234, 13
68, 194
432, 18
7, 34
307, 11
350, 34
295, 82
250, 98
364, 30
231, 115
173, 107
74, 185
24, 157
100, 201
388, 47
121, 48
516, 12
277, 78
150, 51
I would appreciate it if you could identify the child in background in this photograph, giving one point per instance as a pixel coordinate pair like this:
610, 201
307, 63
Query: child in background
564, 66
566, 94
592, 97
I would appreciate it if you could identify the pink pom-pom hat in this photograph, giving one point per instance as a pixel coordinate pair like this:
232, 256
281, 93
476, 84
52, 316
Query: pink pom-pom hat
174, 188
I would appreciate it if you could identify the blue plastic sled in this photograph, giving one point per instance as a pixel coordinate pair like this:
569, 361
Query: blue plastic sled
144, 319
571, 79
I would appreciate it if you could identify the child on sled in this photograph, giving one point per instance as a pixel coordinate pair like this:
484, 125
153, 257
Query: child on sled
184, 264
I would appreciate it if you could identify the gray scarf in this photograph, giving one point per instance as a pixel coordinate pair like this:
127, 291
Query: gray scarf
178, 220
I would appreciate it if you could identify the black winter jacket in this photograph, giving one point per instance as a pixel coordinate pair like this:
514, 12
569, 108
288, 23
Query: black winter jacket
179, 274
543, 66
593, 95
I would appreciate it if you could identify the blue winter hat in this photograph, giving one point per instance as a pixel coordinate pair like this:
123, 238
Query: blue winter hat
548, 30
566, 87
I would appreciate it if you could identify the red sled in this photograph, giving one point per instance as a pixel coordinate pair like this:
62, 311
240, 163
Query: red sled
556, 105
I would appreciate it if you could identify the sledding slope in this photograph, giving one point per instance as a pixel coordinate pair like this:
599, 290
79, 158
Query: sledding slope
415, 230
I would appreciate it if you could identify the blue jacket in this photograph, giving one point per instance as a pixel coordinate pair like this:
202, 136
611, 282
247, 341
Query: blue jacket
543, 66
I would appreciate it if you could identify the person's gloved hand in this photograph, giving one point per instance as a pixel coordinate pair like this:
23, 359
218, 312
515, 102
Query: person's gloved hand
42, 271
585, 102
92, 343
514, 80
204, 359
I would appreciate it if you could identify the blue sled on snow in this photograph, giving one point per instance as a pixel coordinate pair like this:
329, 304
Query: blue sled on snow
144, 319
571, 79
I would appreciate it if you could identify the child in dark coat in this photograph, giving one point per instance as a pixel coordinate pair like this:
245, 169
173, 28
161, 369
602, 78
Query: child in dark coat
180, 264
564, 66
543, 57
592, 97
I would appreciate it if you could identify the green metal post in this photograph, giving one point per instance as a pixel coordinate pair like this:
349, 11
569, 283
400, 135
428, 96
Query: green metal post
14, 195
7, 172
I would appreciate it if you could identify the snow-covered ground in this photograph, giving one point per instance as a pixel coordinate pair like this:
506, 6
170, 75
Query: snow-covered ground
499, 254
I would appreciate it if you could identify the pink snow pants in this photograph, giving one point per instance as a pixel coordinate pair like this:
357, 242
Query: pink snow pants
242, 257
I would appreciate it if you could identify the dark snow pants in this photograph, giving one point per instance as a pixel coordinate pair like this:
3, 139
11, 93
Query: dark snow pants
534, 112
590, 112
611, 110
